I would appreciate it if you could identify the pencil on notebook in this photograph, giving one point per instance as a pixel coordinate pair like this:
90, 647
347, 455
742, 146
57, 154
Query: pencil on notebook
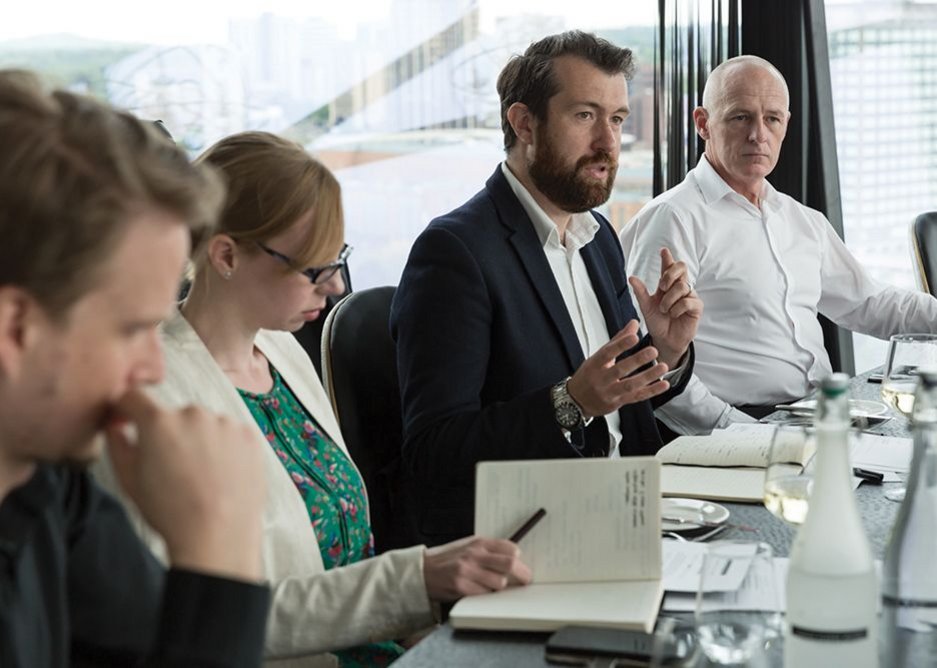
528, 525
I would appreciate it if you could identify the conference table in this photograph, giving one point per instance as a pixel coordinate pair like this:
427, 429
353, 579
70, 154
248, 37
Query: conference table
487, 649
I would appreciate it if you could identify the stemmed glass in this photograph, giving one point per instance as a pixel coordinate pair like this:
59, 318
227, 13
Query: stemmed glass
787, 482
906, 352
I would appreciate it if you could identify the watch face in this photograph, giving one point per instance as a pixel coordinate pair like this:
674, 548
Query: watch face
568, 415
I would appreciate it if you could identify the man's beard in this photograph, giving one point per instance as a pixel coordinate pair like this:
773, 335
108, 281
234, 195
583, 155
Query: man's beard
565, 187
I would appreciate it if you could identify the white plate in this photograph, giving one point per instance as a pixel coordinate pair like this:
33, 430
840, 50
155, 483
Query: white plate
692, 510
857, 407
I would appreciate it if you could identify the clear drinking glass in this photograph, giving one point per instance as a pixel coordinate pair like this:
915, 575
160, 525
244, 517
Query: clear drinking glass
674, 643
906, 352
735, 628
788, 482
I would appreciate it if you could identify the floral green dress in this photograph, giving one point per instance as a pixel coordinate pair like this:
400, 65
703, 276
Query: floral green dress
331, 488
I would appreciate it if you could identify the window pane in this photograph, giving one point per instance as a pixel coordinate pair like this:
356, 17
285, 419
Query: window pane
884, 74
396, 96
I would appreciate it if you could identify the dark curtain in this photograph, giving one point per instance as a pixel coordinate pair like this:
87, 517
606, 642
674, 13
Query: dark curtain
693, 37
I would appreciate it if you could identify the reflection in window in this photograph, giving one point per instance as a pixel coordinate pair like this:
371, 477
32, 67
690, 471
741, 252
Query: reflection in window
396, 96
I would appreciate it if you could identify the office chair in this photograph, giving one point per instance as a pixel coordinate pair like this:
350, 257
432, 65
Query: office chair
924, 250
359, 372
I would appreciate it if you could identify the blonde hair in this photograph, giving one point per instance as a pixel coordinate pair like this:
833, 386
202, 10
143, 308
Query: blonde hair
272, 183
73, 174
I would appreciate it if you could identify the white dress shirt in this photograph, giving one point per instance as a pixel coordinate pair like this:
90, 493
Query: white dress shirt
572, 277
763, 274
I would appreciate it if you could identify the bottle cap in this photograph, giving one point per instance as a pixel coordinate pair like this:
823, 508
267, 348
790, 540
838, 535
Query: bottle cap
834, 384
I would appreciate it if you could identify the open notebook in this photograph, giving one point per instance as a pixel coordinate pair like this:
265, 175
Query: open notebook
725, 465
595, 556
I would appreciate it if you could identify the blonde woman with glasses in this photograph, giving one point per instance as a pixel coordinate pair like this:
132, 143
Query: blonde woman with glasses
268, 268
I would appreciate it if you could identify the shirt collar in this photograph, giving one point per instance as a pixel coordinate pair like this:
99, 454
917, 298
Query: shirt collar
713, 187
580, 231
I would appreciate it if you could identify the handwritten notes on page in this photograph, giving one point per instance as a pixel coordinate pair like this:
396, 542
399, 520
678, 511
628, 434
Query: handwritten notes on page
727, 465
602, 521
595, 555
721, 448
725, 448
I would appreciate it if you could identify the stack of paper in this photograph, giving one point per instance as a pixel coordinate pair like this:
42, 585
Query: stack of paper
886, 454
758, 588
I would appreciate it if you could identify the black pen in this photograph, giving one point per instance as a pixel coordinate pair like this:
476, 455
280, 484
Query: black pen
873, 477
528, 525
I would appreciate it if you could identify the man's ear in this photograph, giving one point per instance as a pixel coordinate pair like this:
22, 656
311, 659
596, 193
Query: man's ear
522, 122
701, 120
787, 122
222, 254
18, 311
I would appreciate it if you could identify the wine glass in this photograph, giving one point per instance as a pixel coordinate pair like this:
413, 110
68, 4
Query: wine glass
906, 352
788, 483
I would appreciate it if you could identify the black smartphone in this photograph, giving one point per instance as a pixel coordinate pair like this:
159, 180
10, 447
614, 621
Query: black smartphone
582, 645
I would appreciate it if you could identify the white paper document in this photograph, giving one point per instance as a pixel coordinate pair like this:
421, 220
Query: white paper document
683, 566
761, 590
881, 453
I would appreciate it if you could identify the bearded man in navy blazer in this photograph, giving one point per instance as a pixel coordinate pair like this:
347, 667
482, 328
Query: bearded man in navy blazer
516, 334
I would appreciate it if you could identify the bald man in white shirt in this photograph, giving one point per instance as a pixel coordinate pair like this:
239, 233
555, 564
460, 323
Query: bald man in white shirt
763, 264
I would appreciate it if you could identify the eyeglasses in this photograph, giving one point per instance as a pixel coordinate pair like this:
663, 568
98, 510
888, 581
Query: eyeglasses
316, 275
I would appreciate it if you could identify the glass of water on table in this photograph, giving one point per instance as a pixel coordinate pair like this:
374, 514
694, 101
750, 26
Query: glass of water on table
906, 352
735, 627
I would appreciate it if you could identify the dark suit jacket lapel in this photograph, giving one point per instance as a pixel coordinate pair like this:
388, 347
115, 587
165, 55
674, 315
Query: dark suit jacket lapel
523, 237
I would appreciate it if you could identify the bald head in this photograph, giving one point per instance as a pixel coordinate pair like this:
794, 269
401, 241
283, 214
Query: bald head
727, 74
743, 121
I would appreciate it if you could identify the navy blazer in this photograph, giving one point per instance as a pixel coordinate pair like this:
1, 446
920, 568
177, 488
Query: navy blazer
482, 335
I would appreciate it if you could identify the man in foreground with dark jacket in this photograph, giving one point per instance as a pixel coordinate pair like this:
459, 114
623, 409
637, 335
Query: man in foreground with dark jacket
95, 214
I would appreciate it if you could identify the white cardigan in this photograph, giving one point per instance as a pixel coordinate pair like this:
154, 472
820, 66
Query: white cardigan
313, 610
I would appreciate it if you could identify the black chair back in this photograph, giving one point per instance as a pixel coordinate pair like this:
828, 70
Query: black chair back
924, 249
359, 371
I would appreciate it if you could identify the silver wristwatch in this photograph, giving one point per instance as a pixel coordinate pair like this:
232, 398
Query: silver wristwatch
567, 412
